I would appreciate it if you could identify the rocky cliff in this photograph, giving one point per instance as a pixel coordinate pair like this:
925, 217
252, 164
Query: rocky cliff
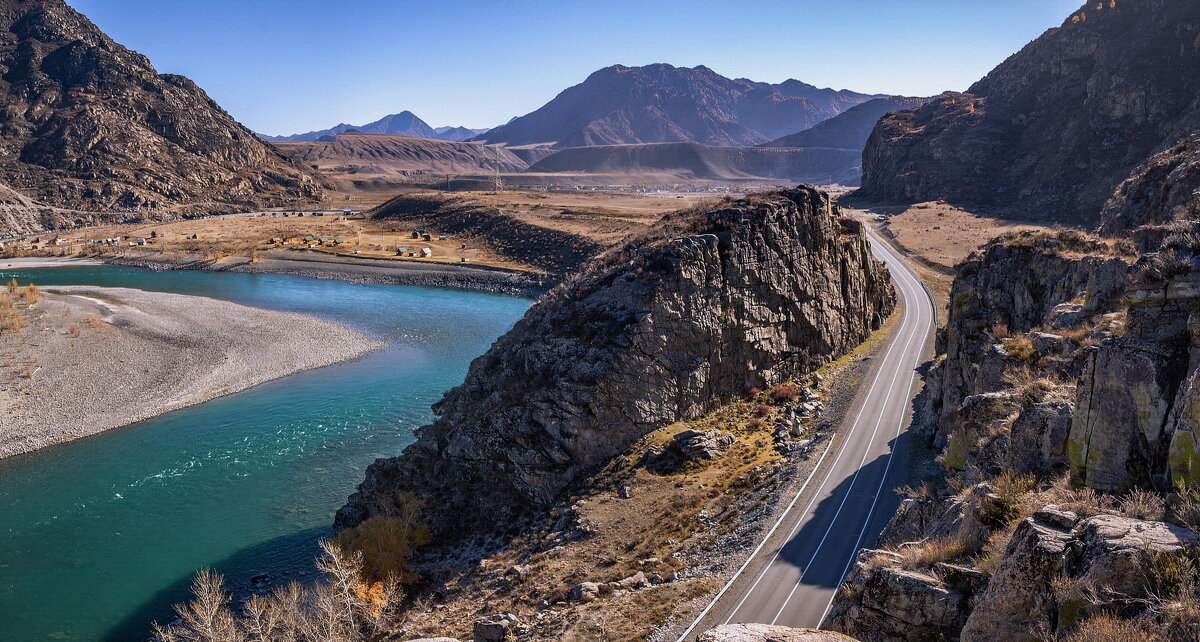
1063, 406
706, 306
90, 125
1051, 132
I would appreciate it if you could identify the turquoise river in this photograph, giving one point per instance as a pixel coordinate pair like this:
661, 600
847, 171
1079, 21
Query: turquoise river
100, 536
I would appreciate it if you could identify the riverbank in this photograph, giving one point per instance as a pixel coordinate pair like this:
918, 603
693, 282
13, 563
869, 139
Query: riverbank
90, 359
372, 271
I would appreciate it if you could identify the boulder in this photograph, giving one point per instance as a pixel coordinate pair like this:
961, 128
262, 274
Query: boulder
494, 628
585, 592
881, 603
1018, 602
694, 445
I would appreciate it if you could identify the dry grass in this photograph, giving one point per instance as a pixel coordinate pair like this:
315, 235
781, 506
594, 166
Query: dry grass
1141, 504
924, 555
1109, 628
1185, 507
1021, 347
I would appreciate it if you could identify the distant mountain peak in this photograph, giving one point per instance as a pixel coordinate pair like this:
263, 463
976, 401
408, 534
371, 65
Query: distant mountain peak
662, 103
403, 123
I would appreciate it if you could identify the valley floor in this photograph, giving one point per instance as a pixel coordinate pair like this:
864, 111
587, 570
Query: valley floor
87, 359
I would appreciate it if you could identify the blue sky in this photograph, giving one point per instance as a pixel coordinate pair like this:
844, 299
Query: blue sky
285, 66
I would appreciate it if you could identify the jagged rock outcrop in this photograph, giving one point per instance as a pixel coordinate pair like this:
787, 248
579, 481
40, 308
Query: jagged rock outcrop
880, 602
768, 633
705, 306
1013, 285
90, 125
1051, 132
1164, 189
1041, 585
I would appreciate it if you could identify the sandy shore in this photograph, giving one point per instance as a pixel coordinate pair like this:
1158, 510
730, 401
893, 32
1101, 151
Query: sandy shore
324, 266
44, 262
92, 358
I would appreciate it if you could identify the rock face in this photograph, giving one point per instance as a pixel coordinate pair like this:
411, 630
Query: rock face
1136, 420
666, 104
701, 309
1053, 130
1016, 282
768, 633
90, 125
1165, 188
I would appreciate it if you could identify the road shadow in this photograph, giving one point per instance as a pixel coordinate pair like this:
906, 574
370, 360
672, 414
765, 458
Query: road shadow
827, 560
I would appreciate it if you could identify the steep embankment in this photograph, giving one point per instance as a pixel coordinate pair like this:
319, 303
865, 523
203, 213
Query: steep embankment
1063, 404
665, 104
706, 306
388, 156
1052, 131
90, 125
686, 161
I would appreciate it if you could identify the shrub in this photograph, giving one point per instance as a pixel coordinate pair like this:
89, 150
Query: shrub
31, 294
386, 542
762, 410
781, 393
1185, 507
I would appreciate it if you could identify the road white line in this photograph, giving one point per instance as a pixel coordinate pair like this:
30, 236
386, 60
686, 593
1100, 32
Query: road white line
854, 479
783, 516
882, 482
824, 482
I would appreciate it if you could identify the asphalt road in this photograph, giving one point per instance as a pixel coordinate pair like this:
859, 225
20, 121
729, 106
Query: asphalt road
791, 578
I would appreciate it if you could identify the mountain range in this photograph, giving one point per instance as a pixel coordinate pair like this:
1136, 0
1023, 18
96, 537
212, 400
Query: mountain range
662, 103
404, 123
1052, 132
90, 126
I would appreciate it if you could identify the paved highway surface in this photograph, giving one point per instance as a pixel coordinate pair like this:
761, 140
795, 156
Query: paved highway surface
791, 578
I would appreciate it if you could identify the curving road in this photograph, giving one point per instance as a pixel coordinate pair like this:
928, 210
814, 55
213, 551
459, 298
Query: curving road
841, 507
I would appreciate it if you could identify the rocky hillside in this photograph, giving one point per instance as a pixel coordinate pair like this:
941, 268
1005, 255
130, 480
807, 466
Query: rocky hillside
701, 309
387, 156
1063, 408
849, 129
90, 125
1051, 132
690, 161
665, 104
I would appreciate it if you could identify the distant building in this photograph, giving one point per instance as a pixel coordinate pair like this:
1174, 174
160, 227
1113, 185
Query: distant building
425, 251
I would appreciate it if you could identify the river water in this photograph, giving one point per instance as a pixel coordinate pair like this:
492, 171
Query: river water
100, 536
